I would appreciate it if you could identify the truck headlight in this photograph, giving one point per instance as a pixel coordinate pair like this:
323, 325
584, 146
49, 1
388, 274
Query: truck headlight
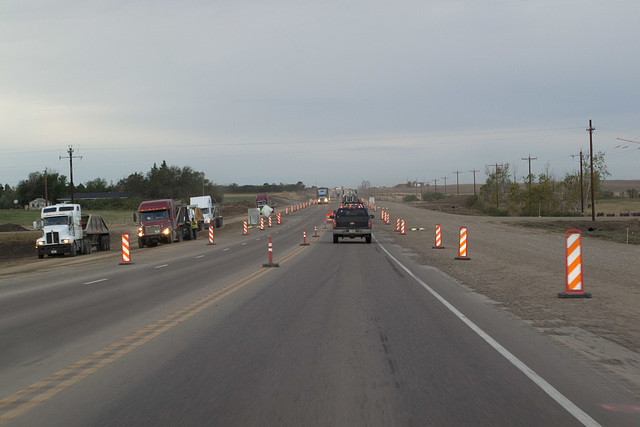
166, 231
66, 241
40, 243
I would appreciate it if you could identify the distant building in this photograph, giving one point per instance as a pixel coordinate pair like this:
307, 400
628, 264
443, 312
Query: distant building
37, 204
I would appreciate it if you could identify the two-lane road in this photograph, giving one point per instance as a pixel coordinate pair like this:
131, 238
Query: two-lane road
339, 334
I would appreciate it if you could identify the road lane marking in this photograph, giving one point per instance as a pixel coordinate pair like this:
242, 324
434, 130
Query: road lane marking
563, 401
161, 266
200, 256
22, 401
95, 281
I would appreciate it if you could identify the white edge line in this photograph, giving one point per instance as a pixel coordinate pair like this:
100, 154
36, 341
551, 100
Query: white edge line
161, 266
568, 405
95, 281
200, 256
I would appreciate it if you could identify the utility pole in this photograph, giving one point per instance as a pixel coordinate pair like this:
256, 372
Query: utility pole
71, 157
457, 182
445, 185
593, 204
497, 189
46, 189
435, 182
474, 180
581, 187
530, 158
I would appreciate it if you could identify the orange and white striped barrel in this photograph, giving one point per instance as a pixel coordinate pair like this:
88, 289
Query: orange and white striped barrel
126, 250
382, 215
438, 238
387, 219
286, 211
211, 236
270, 223
462, 246
398, 224
574, 281
402, 226
262, 223
245, 229
279, 218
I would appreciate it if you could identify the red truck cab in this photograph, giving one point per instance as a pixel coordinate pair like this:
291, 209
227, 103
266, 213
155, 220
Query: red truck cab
158, 223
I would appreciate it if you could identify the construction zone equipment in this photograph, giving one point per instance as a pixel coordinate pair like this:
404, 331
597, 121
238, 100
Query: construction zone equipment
126, 250
278, 218
402, 227
245, 231
398, 224
262, 223
462, 246
574, 283
315, 231
438, 238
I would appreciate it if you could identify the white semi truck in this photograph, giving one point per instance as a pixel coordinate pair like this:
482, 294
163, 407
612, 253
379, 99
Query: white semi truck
66, 230
210, 211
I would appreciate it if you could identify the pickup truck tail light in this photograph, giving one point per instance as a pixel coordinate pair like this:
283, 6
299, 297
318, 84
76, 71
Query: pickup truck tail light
335, 223
369, 223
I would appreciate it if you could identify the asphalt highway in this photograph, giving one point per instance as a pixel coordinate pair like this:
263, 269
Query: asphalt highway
338, 334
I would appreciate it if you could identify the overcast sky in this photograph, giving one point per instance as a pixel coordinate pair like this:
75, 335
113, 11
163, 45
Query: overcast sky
325, 92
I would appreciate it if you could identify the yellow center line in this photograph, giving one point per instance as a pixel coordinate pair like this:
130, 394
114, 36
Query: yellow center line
22, 401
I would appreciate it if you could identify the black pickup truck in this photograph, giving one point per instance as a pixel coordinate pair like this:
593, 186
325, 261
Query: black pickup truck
351, 221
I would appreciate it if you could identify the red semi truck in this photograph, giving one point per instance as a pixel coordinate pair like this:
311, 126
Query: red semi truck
164, 221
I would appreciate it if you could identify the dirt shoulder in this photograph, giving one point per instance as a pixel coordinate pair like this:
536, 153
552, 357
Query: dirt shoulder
522, 269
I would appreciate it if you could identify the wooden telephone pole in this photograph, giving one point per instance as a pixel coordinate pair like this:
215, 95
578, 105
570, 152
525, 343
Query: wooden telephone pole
71, 157
593, 204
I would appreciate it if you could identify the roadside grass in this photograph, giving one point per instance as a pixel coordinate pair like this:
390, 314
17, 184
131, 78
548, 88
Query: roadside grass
613, 230
615, 206
19, 217
237, 198
26, 218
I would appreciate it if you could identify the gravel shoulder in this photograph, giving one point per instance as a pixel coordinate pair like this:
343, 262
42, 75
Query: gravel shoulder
522, 270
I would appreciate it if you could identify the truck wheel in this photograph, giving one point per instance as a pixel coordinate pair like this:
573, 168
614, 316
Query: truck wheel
368, 239
335, 238
40, 256
219, 222
87, 246
107, 242
140, 242
73, 251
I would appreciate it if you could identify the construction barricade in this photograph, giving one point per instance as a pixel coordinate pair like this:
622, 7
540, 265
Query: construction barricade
574, 281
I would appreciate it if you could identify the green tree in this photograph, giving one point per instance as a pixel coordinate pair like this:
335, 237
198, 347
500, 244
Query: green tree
497, 187
33, 187
97, 185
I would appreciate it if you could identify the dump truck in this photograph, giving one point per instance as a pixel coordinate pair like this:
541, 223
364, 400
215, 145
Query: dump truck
210, 211
322, 195
66, 230
163, 221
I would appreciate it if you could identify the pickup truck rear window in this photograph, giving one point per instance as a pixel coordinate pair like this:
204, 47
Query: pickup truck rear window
352, 212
